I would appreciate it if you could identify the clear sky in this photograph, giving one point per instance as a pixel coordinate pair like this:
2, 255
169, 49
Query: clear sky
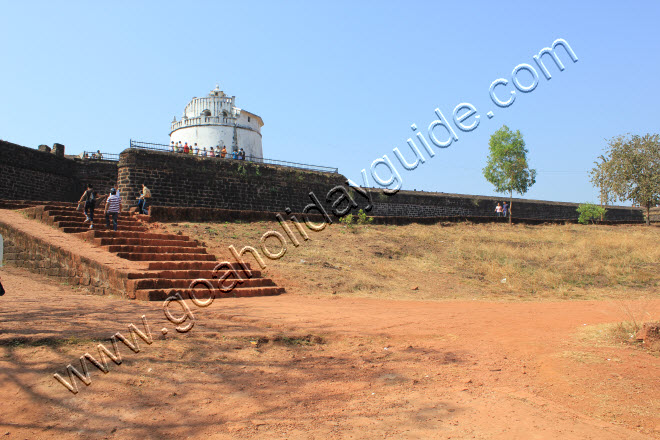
337, 83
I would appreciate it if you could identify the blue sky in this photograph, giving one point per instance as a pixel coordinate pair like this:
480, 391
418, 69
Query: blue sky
336, 83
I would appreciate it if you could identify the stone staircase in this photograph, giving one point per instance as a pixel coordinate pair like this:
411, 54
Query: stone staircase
172, 261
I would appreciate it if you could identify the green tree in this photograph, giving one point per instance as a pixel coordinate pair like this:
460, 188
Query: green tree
630, 170
507, 167
599, 179
589, 213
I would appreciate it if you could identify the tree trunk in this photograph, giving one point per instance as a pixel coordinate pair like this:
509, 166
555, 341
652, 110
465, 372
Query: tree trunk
510, 206
648, 213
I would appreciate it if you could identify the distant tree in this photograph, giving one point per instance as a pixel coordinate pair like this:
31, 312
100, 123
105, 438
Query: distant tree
599, 179
507, 167
589, 213
630, 170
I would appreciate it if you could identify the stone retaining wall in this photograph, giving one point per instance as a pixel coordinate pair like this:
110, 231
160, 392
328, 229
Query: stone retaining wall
38, 256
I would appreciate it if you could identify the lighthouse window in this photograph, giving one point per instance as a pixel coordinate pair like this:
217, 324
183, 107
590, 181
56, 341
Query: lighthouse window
248, 119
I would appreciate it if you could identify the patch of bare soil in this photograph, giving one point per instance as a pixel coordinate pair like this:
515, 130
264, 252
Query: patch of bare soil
306, 367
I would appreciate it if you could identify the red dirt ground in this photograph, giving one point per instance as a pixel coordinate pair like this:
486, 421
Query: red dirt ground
385, 369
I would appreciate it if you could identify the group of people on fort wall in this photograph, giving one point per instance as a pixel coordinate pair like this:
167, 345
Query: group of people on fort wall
194, 150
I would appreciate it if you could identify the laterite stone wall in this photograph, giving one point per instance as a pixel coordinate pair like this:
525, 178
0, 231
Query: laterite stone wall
29, 174
190, 181
35, 255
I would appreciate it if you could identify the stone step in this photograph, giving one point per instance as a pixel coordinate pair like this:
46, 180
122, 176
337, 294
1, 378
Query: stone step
78, 229
238, 292
155, 249
184, 283
69, 213
132, 234
97, 224
97, 218
151, 256
187, 265
193, 274
143, 242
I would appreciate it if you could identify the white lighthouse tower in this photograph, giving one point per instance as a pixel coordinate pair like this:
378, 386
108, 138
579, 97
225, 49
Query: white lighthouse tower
214, 120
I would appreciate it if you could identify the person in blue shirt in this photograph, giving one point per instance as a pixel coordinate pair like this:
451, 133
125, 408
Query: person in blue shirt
234, 154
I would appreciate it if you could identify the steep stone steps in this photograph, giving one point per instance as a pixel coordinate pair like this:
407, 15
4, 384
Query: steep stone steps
172, 261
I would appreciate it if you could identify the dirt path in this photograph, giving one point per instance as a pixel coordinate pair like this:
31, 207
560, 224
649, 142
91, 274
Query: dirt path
386, 369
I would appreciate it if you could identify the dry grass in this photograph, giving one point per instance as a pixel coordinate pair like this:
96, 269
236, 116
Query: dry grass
465, 260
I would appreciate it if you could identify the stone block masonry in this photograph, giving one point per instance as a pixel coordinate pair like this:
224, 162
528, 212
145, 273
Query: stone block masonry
189, 181
36, 255
29, 174
423, 204
210, 184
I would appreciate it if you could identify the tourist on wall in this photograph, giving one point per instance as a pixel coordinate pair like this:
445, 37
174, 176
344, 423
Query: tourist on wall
89, 198
505, 209
223, 152
211, 152
112, 208
498, 209
204, 152
196, 150
234, 154
143, 199
172, 146
185, 148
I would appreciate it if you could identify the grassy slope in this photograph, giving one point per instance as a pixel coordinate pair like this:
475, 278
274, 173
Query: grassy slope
487, 261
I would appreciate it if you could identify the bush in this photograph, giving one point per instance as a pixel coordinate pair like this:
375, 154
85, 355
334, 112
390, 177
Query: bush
590, 212
347, 219
360, 219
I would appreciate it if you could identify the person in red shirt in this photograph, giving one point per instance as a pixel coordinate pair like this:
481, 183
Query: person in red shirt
185, 148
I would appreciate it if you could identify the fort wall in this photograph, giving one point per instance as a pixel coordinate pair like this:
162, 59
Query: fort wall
29, 174
215, 184
210, 184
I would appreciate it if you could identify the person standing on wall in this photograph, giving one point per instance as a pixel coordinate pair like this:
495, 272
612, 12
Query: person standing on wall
223, 152
89, 198
112, 209
142, 200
